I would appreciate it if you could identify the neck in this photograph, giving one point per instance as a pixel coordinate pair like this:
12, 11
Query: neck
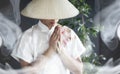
49, 26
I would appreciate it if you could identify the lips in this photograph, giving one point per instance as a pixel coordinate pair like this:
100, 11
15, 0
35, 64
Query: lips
52, 22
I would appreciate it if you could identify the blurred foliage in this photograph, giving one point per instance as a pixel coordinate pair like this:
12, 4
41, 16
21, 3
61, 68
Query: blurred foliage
79, 25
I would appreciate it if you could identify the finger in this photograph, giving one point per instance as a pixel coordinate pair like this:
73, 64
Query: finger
56, 38
58, 47
53, 34
59, 33
55, 31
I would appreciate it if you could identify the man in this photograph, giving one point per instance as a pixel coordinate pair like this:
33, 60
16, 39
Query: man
58, 47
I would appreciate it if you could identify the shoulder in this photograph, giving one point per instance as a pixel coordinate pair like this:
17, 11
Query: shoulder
71, 31
29, 31
67, 28
26, 35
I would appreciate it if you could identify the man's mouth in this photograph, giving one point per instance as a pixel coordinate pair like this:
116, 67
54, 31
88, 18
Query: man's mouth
52, 22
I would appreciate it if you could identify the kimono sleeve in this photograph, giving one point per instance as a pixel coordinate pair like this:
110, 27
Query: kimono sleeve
77, 46
24, 48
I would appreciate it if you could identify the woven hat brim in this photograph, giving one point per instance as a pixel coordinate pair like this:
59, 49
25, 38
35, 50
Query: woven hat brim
50, 9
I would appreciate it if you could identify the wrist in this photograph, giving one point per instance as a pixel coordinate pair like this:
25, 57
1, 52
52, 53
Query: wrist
59, 51
49, 52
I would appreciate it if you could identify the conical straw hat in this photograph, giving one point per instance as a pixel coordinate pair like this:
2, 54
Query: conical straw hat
50, 9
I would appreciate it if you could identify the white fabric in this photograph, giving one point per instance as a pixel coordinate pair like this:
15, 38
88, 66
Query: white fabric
35, 41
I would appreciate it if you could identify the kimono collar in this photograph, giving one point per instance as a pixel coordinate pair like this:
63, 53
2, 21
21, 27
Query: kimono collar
44, 28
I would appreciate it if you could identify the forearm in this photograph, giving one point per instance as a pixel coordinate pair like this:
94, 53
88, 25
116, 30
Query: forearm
72, 64
49, 52
44, 57
41, 61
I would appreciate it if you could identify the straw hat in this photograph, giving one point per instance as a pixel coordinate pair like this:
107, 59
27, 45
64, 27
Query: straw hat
50, 9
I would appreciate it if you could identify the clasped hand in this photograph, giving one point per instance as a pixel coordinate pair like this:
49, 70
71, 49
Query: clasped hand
54, 42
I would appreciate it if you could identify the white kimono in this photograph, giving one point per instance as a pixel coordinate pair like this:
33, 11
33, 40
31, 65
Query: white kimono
36, 40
